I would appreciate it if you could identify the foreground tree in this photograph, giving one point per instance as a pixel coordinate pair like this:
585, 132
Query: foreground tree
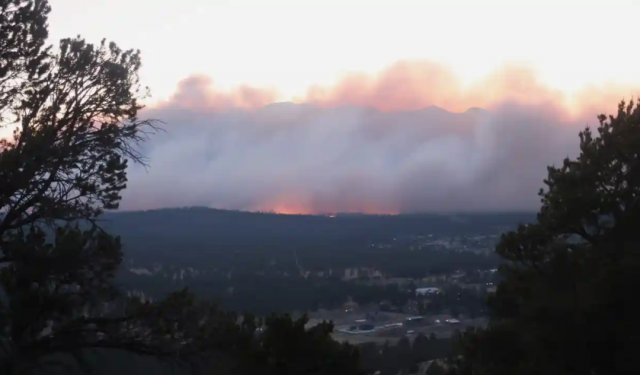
23, 32
76, 127
74, 116
566, 305
287, 347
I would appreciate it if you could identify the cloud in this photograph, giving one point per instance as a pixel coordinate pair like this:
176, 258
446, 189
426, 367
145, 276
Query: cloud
377, 144
198, 93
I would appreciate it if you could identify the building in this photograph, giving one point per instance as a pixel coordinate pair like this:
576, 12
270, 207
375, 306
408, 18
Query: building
427, 291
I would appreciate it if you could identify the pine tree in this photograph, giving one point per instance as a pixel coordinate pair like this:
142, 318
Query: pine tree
565, 305
75, 114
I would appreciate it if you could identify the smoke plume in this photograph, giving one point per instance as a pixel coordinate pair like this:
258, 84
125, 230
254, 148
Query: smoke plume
411, 139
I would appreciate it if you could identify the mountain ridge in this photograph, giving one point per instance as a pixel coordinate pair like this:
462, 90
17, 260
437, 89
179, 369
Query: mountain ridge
291, 104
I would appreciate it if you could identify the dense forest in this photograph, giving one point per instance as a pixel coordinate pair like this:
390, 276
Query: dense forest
263, 294
197, 235
249, 262
405, 356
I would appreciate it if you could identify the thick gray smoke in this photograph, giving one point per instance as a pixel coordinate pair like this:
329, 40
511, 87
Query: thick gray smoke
306, 159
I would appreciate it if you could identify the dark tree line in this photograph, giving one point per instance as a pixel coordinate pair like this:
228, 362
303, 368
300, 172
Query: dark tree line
265, 294
222, 229
254, 242
405, 355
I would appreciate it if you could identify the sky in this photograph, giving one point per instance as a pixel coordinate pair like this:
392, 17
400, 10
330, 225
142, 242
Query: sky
292, 44
361, 72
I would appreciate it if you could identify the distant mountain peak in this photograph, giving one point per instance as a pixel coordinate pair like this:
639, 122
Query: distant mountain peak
280, 104
288, 105
476, 110
434, 108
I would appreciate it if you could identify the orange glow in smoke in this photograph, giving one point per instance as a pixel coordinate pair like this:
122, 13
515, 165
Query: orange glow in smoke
296, 204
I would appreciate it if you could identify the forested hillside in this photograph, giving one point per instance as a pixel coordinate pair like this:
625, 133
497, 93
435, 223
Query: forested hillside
267, 262
193, 234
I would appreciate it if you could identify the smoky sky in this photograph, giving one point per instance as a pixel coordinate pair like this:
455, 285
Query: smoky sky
345, 151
